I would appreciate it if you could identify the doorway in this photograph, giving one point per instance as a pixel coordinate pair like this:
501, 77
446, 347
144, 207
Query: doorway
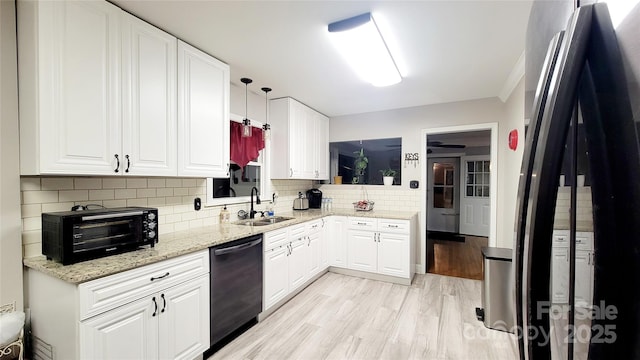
459, 200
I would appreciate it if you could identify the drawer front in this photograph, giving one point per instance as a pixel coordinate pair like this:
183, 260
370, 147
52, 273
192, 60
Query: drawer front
560, 238
314, 226
296, 232
363, 223
276, 238
394, 226
584, 240
100, 295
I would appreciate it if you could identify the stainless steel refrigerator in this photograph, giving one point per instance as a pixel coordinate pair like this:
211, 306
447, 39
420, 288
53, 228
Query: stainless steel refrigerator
577, 233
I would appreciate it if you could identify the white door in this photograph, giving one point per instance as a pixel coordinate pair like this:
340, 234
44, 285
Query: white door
559, 275
393, 254
338, 241
363, 250
475, 204
126, 332
184, 320
324, 244
584, 278
203, 114
149, 99
297, 140
80, 87
443, 194
276, 275
298, 263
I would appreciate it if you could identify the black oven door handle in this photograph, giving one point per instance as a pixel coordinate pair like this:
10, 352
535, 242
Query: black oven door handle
111, 216
236, 248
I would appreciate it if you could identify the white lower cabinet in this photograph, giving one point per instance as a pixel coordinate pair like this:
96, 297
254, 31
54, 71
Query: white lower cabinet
584, 261
381, 246
158, 311
292, 256
337, 241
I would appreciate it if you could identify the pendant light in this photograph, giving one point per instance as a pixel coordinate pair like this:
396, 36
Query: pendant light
246, 123
266, 128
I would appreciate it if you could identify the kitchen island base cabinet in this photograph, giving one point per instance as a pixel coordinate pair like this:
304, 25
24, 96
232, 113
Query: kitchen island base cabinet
166, 320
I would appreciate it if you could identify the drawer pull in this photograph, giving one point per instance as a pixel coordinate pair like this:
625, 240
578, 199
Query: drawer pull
160, 277
361, 223
392, 226
155, 304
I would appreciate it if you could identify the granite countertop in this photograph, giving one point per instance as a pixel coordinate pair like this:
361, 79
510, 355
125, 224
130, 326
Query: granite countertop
185, 242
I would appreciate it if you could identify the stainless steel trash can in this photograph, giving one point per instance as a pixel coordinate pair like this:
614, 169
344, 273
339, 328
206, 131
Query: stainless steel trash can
497, 290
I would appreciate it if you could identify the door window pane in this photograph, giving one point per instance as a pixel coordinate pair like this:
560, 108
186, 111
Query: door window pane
478, 178
443, 188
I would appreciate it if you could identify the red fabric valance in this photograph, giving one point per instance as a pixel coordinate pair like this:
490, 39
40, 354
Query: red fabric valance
245, 149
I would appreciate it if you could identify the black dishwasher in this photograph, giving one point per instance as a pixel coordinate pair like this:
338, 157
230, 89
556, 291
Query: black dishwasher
236, 285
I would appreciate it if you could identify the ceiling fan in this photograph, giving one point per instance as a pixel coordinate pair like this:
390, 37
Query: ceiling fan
439, 144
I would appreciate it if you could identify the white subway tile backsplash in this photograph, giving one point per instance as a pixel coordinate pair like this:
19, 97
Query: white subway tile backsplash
32, 223
114, 203
137, 202
125, 193
180, 191
156, 183
172, 196
29, 183
74, 195
87, 183
55, 207
114, 183
164, 192
146, 193
137, 183
188, 182
30, 210
39, 196
101, 194
56, 183
171, 182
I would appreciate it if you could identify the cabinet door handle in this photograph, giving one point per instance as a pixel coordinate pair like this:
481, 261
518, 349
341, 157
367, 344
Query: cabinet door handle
290, 172
155, 304
228, 169
164, 303
117, 169
128, 163
160, 277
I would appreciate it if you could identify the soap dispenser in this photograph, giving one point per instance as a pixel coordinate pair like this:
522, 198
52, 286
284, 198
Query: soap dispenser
224, 215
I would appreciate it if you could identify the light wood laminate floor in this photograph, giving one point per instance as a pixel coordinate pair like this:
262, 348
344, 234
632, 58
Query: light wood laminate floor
344, 317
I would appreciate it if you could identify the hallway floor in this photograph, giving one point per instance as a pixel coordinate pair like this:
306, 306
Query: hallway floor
459, 259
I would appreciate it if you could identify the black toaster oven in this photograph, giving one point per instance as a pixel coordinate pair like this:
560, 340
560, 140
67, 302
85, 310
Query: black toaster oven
72, 236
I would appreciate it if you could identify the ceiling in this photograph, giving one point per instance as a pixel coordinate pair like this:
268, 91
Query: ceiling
447, 50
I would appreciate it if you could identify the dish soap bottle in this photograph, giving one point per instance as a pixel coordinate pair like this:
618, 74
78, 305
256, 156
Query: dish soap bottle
225, 216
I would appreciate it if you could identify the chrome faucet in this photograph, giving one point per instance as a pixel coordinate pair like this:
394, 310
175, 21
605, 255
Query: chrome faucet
252, 213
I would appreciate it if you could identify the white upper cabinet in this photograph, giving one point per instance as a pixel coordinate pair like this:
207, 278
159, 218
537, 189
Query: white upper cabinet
203, 114
99, 95
149, 132
69, 85
299, 140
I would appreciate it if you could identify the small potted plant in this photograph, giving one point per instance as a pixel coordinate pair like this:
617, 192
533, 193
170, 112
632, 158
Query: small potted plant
387, 176
360, 164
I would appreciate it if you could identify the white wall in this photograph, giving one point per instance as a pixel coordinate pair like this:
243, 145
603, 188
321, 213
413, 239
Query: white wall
509, 166
408, 123
10, 225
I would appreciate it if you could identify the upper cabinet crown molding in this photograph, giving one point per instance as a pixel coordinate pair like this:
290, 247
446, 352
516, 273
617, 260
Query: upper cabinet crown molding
299, 140
98, 95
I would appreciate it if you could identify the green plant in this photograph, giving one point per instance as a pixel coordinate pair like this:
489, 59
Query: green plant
388, 172
360, 162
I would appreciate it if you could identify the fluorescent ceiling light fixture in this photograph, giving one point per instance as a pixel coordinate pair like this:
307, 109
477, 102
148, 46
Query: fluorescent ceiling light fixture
359, 40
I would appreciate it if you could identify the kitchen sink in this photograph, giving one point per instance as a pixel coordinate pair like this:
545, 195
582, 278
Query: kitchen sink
264, 221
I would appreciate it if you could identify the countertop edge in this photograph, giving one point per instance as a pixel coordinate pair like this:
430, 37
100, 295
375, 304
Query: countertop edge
184, 242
